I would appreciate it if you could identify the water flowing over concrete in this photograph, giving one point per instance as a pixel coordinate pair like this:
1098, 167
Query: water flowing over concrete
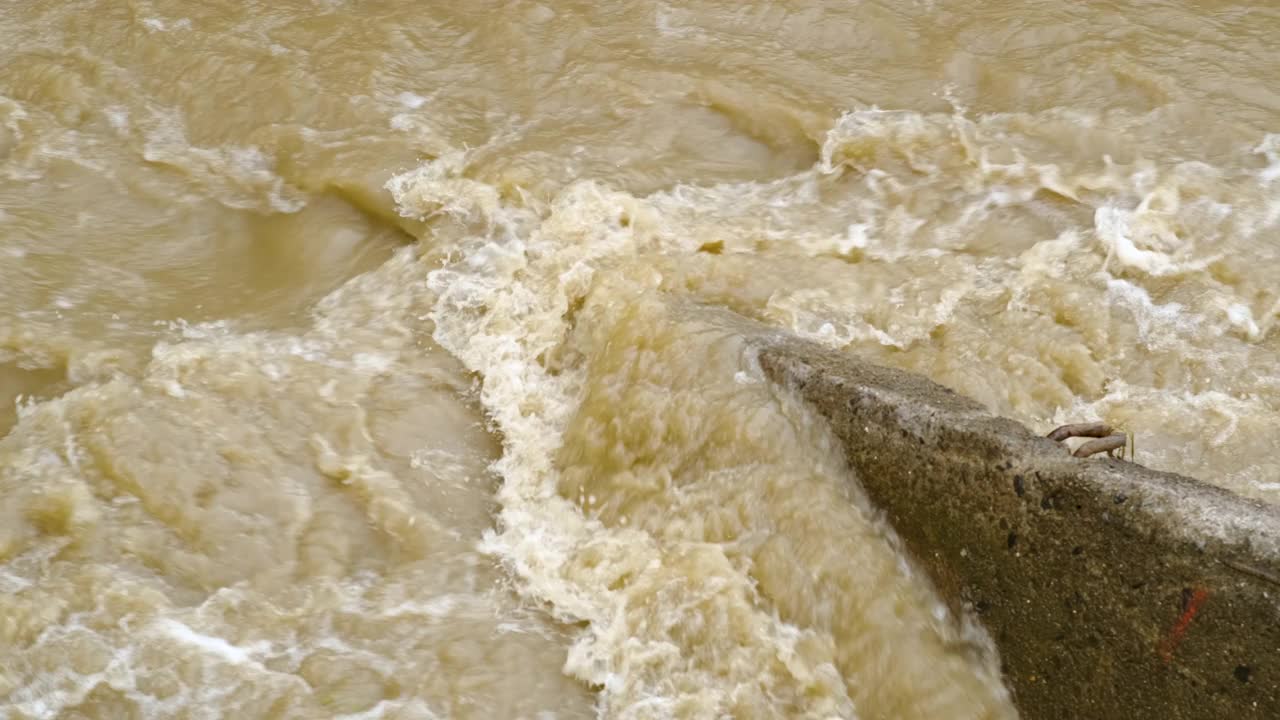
386, 360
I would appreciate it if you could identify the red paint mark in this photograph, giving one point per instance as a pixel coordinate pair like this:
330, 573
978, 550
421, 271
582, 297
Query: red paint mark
1192, 601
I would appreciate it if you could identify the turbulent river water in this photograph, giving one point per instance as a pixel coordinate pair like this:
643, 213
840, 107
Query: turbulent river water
364, 359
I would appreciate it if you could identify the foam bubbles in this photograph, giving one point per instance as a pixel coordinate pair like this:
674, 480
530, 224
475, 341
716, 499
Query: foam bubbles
215, 646
503, 307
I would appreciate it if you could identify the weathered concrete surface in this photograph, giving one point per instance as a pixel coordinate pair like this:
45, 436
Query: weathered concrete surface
1112, 591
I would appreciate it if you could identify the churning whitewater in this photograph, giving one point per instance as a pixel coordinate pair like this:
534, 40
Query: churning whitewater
392, 360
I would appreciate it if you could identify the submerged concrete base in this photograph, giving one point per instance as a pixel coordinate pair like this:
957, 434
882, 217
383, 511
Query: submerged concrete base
1112, 591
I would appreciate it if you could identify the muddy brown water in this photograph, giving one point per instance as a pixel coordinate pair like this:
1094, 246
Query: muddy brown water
344, 371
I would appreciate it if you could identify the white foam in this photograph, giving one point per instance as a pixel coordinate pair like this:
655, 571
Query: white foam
10, 583
209, 644
376, 363
1270, 148
241, 177
1157, 324
1241, 317
502, 302
413, 101
1116, 228
160, 25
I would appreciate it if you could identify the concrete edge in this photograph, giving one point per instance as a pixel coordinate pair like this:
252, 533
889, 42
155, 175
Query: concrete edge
1111, 590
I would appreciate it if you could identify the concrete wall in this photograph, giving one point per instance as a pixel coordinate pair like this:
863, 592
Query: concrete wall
1112, 591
